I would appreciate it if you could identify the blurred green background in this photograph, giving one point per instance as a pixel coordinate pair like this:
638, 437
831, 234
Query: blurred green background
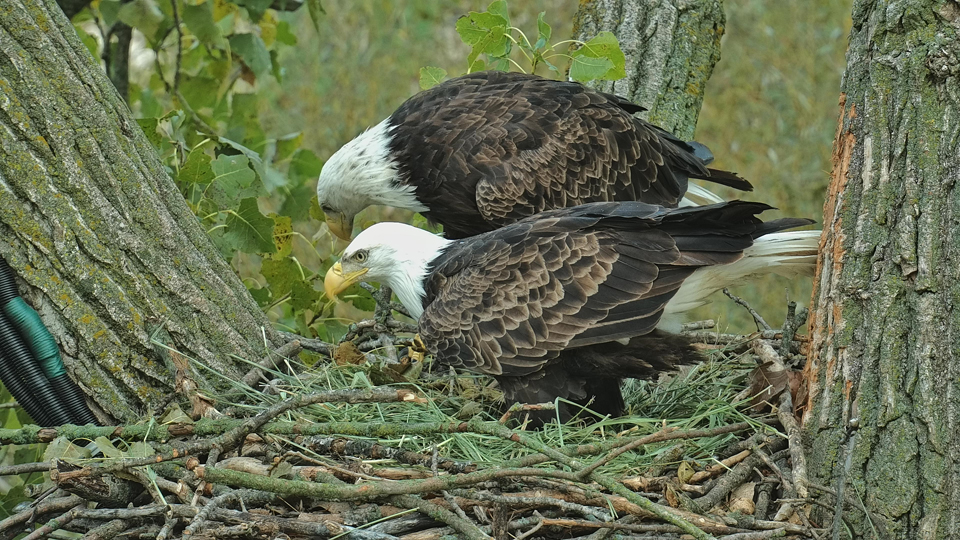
769, 113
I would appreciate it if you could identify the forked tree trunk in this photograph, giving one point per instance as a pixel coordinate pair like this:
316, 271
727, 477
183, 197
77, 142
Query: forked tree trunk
671, 47
882, 423
107, 250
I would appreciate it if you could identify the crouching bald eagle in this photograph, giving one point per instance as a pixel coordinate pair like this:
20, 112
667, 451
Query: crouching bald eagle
483, 150
569, 302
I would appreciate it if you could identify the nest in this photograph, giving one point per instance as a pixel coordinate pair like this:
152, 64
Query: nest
360, 446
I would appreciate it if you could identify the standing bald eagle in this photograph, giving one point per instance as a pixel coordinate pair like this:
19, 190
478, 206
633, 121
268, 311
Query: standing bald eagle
546, 304
483, 150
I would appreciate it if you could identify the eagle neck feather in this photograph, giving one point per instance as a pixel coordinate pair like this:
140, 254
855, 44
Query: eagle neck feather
415, 267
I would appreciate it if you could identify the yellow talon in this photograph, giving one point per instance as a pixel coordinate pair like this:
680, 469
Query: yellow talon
417, 350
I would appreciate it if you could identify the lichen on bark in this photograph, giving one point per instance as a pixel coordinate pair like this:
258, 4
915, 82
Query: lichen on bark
884, 410
671, 47
101, 238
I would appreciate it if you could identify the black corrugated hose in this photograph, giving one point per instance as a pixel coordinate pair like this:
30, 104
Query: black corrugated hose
30, 364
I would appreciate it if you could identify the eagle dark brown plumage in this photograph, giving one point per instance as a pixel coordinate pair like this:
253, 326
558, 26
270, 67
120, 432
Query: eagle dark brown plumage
541, 304
483, 150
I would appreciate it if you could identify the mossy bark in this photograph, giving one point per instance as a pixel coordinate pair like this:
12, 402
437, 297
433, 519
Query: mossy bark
671, 47
882, 423
106, 249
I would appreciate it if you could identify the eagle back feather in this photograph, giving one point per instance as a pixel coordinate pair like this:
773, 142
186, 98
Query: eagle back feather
489, 148
509, 301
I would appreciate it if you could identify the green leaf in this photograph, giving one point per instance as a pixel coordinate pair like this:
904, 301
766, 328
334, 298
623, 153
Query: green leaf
282, 236
89, 41
499, 7
255, 7
304, 165
297, 204
287, 144
284, 35
315, 211
588, 61
280, 275
253, 52
303, 295
149, 127
199, 19
543, 32
233, 180
316, 11
109, 10
248, 230
197, 169
486, 32
585, 68
144, 15
431, 76
261, 295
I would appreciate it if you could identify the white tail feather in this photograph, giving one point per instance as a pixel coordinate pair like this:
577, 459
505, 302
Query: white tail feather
789, 254
698, 195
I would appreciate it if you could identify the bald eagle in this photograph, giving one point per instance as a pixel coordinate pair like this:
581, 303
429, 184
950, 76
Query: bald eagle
483, 150
570, 301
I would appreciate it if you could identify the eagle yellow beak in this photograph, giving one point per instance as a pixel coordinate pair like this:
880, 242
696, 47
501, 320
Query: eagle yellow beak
335, 282
340, 225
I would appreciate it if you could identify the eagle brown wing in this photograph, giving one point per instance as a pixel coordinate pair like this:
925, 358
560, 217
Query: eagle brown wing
507, 302
490, 148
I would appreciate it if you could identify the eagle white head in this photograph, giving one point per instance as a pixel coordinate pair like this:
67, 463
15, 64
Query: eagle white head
394, 254
360, 174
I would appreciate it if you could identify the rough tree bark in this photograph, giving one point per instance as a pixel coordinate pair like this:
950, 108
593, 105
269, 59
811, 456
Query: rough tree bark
107, 250
671, 47
882, 423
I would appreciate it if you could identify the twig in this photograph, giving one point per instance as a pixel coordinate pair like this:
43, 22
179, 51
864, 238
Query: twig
268, 362
197, 523
52, 525
698, 325
761, 324
795, 319
25, 468
58, 504
785, 414
756, 535
107, 531
465, 527
727, 483
314, 345
515, 499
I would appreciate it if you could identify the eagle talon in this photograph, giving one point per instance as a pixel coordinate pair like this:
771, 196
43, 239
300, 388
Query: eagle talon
417, 351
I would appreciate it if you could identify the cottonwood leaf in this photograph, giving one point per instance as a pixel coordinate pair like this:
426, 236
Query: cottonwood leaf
144, 15
303, 295
199, 19
233, 180
431, 76
543, 31
197, 169
316, 11
248, 230
304, 165
280, 275
599, 58
282, 236
251, 49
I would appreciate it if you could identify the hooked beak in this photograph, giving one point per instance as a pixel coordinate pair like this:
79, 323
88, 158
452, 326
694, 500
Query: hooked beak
340, 225
335, 282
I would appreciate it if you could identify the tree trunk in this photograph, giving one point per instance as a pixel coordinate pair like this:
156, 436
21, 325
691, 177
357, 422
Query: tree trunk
671, 47
107, 250
882, 423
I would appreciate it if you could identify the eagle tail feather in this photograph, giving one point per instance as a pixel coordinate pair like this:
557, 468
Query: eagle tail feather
789, 254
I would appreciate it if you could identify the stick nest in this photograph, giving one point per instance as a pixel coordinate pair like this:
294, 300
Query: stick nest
362, 445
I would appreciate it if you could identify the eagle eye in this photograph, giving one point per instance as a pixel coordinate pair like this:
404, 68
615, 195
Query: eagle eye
360, 256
